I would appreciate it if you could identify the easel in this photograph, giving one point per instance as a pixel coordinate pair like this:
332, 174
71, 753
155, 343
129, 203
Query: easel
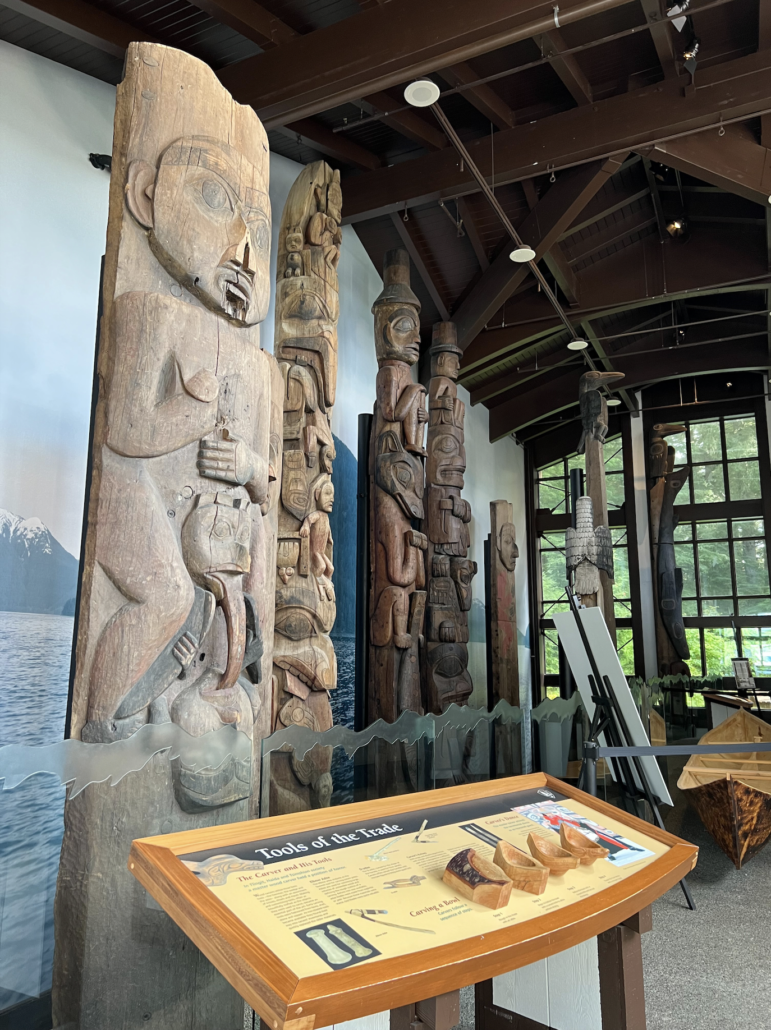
609, 719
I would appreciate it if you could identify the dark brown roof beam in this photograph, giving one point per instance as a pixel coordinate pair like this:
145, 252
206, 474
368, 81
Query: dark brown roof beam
318, 136
735, 89
662, 34
408, 123
626, 200
733, 161
656, 198
385, 46
605, 361
615, 232
472, 231
83, 21
250, 19
764, 42
554, 259
541, 229
421, 267
482, 97
567, 68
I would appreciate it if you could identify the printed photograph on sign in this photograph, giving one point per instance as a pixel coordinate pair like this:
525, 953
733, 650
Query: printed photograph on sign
550, 815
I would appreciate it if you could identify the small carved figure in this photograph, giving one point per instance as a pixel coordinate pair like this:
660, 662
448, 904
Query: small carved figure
587, 551
397, 597
593, 406
502, 642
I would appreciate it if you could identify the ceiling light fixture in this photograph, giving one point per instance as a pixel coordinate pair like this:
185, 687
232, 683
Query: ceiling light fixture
522, 254
689, 56
677, 227
422, 93
613, 402
676, 10
577, 344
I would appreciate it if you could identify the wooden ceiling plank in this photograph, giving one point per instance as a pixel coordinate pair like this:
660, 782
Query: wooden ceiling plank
614, 233
626, 201
250, 19
559, 206
663, 36
484, 98
555, 259
333, 144
82, 21
637, 120
562, 392
472, 231
733, 161
408, 123
384, 46
567, 68
420, 265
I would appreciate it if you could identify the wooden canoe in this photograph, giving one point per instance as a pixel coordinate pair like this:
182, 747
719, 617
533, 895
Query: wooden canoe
555, 858
732, 792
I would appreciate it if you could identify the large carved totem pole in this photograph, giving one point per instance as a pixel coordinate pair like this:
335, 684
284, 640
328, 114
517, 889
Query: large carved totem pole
176, 612
304, 665
397, 547
666, 482
503, 643
594, 426
449, 569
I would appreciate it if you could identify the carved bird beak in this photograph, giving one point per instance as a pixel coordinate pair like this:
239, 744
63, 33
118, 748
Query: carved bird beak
665, 428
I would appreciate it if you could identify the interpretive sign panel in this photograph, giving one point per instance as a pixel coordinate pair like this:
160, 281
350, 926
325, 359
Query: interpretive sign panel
331, 914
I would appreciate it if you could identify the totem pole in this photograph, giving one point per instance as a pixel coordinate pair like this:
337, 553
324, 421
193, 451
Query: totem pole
176, 612
594, 429
307, 307
666, 482
398, 579
588, 554
447, 517
502, 633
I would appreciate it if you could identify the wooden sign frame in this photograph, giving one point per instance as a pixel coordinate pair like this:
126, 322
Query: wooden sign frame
284, 1000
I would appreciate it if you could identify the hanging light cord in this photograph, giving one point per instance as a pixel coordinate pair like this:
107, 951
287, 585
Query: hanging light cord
456, 141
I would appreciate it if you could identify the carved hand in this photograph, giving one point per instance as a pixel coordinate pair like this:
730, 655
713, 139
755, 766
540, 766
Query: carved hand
230, 460
204, 386
422, 414
415, 539
184, 651
461, 509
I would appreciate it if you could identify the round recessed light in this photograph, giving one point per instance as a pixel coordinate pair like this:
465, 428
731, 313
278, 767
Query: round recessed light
422, 93
522, 254
578, 345
613, 402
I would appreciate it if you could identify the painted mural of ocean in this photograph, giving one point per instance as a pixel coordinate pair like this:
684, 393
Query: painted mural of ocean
342, 700
35, 663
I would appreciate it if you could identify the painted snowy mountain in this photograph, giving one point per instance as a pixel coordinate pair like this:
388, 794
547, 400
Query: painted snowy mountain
36, 573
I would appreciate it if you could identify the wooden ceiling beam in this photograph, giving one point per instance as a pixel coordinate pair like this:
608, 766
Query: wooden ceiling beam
636, 120
483, 98
734, 161
559, 206
626, 200
420, 265
250, 19
662, 34
318, 136
472, 231
384, 46
83, 21
615, 232
560, 391
408, 123
567, 68
555, 260
764, 41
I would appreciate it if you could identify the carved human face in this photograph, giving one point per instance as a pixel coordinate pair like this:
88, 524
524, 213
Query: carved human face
397, 333
448, 675
210, 226
446, 461
400, 475
335, 201
445, 363
508, 549
326, 497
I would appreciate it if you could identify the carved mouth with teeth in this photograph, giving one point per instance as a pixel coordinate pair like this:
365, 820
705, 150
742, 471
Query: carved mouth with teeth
236, 283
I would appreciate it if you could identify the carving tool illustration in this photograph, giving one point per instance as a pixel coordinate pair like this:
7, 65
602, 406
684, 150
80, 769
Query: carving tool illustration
358, 949
481, 834
423, 825
379, 855
336, 956
367, 913
407, 881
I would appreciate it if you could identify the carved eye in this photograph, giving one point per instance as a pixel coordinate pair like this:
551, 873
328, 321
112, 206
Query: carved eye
404, 325
446, 444
215, 194
403, 474
449, 667
261, 234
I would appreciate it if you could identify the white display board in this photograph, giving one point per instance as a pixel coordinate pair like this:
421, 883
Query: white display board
606, 657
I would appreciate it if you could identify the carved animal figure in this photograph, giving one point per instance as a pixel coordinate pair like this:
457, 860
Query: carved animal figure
587, 551
397, 596
670, 577
593, 406
502, 643
307, 308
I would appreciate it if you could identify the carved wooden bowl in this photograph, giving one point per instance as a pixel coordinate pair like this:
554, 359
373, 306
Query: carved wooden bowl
585, 850
555, 858
524, 872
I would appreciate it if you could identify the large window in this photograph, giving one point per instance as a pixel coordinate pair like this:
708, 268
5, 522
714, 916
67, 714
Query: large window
724, 562
553, 496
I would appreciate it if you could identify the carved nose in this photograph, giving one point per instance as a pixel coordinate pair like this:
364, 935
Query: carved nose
239, 252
